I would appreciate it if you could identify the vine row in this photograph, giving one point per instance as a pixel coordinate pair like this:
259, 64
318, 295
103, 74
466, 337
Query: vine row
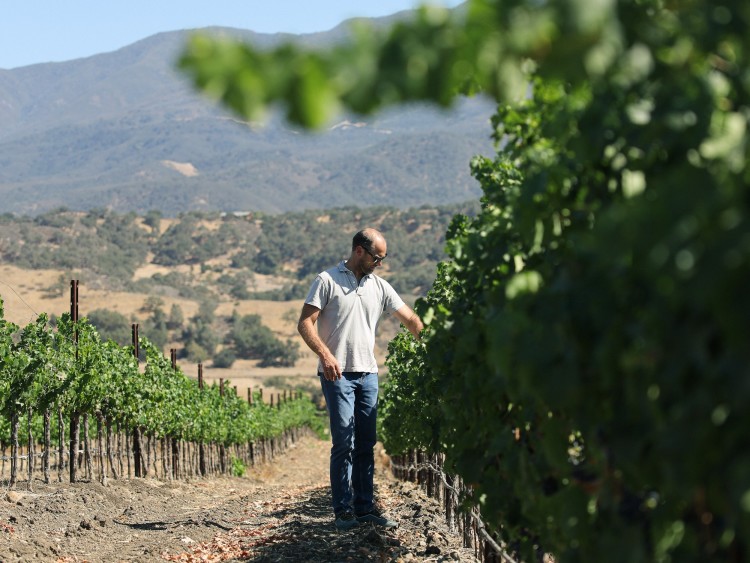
585, 364
55, 381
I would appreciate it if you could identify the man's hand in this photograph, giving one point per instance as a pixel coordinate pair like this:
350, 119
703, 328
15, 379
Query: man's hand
331, 368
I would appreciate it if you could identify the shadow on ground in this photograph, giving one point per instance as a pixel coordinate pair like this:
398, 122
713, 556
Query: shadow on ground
307, 533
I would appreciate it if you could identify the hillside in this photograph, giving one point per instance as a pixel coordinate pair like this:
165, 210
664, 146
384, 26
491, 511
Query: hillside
124, 131
191, 281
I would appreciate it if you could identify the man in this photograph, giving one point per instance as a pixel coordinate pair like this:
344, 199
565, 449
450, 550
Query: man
346, 303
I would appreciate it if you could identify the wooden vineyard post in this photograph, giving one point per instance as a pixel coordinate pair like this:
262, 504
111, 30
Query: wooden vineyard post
75, 417
74, 311
171, 443
222, 450
100, 451
175, 457
75, 422
13, 448
110, 455
137, 469
30, 447
47, 445
100, 447
201, 445
60, 444
250, 444
87, 448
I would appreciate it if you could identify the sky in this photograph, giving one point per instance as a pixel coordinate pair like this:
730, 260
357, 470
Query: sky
39, 31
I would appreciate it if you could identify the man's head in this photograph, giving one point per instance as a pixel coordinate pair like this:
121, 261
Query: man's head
369, 249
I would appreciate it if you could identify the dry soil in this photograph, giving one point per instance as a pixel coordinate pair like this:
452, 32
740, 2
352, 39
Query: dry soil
279, 511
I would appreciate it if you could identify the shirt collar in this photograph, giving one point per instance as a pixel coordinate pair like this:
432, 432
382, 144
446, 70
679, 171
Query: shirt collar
344, 269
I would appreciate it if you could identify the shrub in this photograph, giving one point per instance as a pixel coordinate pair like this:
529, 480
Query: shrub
225, 358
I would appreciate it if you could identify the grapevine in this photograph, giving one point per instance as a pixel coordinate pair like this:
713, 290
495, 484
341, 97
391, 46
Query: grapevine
585, 367
72, 372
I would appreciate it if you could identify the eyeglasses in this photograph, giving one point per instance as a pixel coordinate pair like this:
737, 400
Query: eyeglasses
375, 258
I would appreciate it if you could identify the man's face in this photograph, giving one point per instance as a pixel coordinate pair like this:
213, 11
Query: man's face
373, 257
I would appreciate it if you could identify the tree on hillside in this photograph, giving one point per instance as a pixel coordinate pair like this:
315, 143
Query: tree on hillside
151, 304
224, 358
155, 327
187, 241
111, 325
59, 217
176, 317
152, 219
199, 337
251, 339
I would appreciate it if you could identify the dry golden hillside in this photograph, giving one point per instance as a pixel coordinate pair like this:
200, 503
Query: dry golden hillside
220, 265
26, 294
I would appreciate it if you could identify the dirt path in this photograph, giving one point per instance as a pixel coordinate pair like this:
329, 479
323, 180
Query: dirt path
278, 512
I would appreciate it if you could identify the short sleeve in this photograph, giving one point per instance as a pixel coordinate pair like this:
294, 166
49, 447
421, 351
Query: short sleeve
318, 294
391, 300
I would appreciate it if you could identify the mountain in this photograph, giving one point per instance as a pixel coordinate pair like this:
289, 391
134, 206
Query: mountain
125, 131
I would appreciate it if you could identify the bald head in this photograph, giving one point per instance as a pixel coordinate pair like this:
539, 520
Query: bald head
367, 237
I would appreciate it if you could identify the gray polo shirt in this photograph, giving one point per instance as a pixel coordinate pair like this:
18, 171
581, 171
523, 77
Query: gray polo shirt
349, 314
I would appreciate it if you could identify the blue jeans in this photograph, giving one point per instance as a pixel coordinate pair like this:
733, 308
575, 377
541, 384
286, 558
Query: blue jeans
352, 403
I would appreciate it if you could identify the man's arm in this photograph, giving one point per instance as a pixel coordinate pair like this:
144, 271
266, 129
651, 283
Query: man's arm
410, 320
308, 332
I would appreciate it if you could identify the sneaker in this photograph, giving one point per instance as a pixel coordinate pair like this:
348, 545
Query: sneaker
345, 520
376, 517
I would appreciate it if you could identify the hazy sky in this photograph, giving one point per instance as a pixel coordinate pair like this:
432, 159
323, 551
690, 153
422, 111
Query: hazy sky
36, 31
